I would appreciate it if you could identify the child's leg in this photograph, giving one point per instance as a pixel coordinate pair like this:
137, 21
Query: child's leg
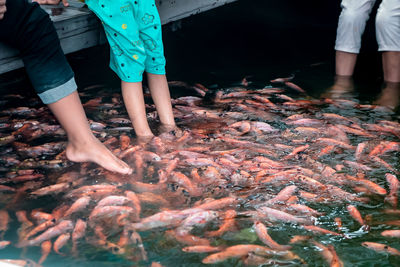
160, 93
28, 27
134, 103
83, 146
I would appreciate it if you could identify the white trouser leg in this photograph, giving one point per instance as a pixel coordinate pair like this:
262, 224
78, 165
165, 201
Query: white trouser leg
388, 25
352, 21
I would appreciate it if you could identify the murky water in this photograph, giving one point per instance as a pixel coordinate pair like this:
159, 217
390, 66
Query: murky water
212, 136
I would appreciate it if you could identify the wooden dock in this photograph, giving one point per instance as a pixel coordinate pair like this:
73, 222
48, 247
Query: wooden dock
78, 28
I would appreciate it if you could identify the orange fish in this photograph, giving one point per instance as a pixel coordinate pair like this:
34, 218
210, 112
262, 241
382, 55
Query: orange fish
41, 227
394, 185
355, 214
320, 230
391, 233
41, 216
46, 248
60, 242
227, 225
378, 247
79, 205
335, 262
61, 228
262, 233
23, 219
283, 195
4, 220
339, 223
331, 258
51, 189
201, 249
78, 232
4, 244
299, 238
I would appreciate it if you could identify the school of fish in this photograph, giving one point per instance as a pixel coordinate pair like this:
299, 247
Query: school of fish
270, 162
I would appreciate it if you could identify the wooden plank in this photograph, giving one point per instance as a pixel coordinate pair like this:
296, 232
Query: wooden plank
173, 10
78, 28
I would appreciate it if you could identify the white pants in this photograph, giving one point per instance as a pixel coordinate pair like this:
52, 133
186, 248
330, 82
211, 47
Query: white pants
353, 18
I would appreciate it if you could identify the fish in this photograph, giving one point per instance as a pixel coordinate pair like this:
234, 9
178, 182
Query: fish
394, 184
4, 221
294, 86
4, 244
161, 219
238, 251
353, 211
40, 216
320, 230
79, 205
277, 215
195, 220
262, 233
201, 249
283, 195
60, 242
46, 249
61, 228
78, 232
378, 247
391, 233
51, 189
227, 225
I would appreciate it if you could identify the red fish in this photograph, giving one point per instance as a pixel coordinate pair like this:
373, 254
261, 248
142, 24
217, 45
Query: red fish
262, 233
378, 247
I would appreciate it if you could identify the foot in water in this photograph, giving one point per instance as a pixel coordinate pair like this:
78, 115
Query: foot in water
390, 96
342, 88
94, 151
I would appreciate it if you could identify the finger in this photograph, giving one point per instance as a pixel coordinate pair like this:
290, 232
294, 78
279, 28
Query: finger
2, 2
65, 2
1, 16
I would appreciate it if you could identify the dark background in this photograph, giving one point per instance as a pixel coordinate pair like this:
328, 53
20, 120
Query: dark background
261, 38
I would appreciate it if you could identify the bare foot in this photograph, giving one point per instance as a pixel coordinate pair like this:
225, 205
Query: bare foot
95, 151
144, 139
390, 96
341, 89
171, 128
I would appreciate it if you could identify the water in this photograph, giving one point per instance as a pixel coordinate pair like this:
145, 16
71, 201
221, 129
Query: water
220, 59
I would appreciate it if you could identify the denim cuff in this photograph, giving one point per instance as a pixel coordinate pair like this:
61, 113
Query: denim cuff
53, 95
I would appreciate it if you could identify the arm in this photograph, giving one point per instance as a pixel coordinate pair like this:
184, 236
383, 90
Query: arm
3, 8
50, 2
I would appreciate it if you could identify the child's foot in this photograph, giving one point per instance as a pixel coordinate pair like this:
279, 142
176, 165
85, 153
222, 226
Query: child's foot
95, 151
144, 139
170, 128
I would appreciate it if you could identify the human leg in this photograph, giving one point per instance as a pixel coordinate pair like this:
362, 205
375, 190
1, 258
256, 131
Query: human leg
160, 93
134, 103
388, 37
83, 146
150, 30
345, 63
351, 25
34, 35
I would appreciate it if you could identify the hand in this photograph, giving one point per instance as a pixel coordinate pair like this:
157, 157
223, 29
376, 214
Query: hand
3, 8
50, 2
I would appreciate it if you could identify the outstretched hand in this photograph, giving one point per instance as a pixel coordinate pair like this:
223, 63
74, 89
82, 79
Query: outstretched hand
3, 8
51, 2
